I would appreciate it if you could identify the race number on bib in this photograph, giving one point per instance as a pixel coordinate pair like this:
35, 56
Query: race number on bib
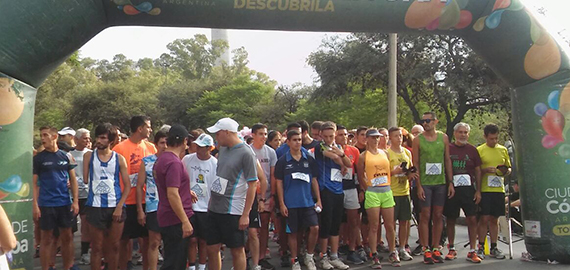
380, 181
433, 168
348, 174
219, 185
200, 190
461, 180
134, 179
301, 176
336, 175
494, 181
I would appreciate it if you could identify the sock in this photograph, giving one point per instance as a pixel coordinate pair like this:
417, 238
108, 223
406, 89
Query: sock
309, 256
334, 256
201, 267
192, 267
84, 247
472, 250
323, 255
451, 247
493, 245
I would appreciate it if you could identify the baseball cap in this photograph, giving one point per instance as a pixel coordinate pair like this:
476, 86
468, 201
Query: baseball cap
224, 124
177, 131
373, 132
204, 140
66, 131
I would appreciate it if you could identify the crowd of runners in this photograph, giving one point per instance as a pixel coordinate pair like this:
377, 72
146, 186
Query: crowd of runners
327, 192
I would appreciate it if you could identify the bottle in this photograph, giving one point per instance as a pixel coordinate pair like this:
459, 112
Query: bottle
318, 209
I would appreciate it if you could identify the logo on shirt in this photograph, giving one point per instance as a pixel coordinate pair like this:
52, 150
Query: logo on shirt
47, 163
306, 164
434, 169
200, 179
102, 188
263, 160
289, 166
198, 190
62, 162
217, 186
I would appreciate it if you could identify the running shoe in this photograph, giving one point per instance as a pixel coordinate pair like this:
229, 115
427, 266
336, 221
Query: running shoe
394, 259
451, 255
427, 257
472, 257
496, 253
436, 256
376, 263
405, 256
338, 264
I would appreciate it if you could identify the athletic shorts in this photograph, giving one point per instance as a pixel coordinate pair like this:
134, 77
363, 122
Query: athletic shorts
301, 218
331, 215
351, 199
224, 229
463, 199
382, 200
254, 221
435, 196
200, 225
492, 204
102, 217
152, 222
82, 206
402, 208
56, 217
133, 228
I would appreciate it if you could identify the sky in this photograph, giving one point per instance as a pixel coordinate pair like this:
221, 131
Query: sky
279, 54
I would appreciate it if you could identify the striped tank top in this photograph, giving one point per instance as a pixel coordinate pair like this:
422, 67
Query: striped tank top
104, 182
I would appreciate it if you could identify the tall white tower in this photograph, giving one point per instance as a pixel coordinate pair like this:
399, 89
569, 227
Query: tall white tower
223, 35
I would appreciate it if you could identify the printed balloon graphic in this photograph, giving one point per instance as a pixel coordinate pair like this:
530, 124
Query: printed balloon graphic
13, 185
540, 109
442, 15
549, 141
542, 61
11, 101
553, 100
493, 20
130, 9
564, 151
553, 123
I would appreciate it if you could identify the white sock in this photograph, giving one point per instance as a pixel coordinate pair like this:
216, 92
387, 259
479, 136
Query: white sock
309, 255
192, 267
201, 266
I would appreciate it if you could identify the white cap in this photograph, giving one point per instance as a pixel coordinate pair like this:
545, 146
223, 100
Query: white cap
66, 130
224, 124
204, 140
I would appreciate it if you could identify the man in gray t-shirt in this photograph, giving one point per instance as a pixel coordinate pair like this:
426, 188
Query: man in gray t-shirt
232, 195
267, 158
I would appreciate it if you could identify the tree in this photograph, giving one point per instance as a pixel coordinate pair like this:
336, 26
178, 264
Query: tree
438, 72
195, 57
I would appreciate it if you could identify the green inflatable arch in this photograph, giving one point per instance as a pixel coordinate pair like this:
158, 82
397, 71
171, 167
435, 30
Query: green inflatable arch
37, 36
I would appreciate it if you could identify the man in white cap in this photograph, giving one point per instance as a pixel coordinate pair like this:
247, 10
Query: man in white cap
232, 195
66, 134
201, 167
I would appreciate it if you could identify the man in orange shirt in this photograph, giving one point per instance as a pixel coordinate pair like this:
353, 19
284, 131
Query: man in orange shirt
134, 149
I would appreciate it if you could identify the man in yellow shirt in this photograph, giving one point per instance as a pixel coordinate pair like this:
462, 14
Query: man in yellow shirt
496, 164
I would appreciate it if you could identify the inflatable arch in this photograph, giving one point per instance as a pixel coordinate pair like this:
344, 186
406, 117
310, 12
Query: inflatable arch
37, 36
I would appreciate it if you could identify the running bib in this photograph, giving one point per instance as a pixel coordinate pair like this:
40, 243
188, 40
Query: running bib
494, 181
348, 174
433, 168
102, 186
219, 185
301, 176
461, 180
151, 189
200, 190
336, 175
134, 179
380, 181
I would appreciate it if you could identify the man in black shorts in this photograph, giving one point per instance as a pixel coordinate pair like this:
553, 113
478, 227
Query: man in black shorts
296, 176
467, 182
52, 204
103, 170
232, 195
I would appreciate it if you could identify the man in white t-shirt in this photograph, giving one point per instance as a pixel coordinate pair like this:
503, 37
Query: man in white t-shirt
82, 140
201, 168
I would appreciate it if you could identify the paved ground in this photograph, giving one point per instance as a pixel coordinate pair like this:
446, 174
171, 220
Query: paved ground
514, 264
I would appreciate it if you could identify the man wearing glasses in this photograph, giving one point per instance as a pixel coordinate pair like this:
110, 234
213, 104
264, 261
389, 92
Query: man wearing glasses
495, 165
431, 154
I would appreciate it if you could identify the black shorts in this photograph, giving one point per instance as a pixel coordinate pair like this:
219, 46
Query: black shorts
331, 216
152, 222
200, 225
56, 217
133, 228
463, 199
224, 229
403, 208
102, 217
435, 196
300, 219
492, 204
82, 206
254, 221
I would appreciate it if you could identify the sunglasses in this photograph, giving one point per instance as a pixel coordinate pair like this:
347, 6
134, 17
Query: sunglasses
427, 121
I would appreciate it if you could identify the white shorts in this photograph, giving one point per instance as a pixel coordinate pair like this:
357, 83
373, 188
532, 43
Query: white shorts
351, 199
